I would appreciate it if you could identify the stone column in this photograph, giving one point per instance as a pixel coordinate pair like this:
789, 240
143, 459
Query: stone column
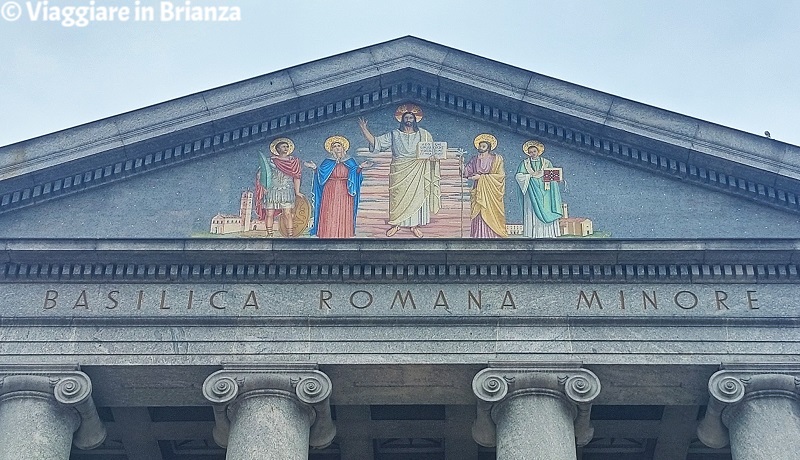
44, 410
755, 409
534, 410
270, 411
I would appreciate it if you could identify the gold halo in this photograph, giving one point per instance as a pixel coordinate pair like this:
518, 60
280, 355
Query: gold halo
277, 141
405, 108
533, 143
485, 138
341, 139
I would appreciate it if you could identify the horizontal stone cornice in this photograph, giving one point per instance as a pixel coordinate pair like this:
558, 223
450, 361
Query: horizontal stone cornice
564, 250
450, 321
240, 260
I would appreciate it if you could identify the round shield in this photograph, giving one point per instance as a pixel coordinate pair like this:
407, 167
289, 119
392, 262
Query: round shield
302, 216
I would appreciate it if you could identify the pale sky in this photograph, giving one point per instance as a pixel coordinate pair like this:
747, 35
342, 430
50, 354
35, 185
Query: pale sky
732, 62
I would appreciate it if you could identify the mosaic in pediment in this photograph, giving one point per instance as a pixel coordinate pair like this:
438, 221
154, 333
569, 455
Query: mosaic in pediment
369, 175
403, 182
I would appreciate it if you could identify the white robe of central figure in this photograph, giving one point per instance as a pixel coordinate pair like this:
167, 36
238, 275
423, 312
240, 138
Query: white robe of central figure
414, 191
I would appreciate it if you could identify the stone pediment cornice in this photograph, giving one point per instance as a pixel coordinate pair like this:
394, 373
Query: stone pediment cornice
406, 69
401, 261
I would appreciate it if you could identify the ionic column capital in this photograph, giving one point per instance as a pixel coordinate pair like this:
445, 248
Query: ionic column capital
502, 381
66, 385
735, 384
301, 382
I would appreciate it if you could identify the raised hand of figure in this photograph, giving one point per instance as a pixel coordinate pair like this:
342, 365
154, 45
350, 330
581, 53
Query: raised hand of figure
366, 164
310, 164
474, 177
362, 123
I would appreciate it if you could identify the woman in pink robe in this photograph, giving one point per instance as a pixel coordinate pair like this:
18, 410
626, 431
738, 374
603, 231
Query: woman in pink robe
337, 187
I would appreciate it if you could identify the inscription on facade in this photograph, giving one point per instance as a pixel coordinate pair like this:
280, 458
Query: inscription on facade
684, 299
303, 300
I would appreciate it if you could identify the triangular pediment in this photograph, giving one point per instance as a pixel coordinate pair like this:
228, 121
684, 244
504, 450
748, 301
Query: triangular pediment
631, 169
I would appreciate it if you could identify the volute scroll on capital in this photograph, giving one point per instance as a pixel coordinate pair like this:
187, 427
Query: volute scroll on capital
498, 382
302, 382
734, 384
504, 381
65, 385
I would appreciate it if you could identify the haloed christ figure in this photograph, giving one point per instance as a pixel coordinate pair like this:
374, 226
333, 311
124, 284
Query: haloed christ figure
414, 190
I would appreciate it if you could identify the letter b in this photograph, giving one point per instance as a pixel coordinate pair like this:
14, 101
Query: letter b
50, 299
